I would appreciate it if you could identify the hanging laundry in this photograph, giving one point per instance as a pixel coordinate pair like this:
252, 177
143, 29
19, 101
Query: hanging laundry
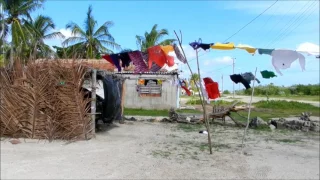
157, 56
166, 49
212, 88
116, 61
267, 74
170, 59
137, 60
108, 58
282, 59
248, 76
223, 46
265, 51
237, 78
154, 67
125, 59
183, 86
196, 45
248, 48
207, 80
179, 54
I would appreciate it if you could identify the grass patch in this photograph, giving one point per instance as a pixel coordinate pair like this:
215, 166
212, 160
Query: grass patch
159, 153
218, 102
297, 97
191, 111
277, 109
147, 112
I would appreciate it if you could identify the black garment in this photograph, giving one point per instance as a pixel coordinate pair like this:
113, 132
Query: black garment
125, 59
237, 78
205, 46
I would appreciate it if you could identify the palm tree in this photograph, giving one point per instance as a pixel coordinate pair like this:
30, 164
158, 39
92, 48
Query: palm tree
91, 40
194, 78
39, 30
153, 38
16, 13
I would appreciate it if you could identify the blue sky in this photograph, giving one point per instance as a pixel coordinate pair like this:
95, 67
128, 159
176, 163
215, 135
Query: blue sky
287, 24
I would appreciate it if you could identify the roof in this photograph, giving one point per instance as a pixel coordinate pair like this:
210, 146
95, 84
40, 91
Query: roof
147, 73
99, 64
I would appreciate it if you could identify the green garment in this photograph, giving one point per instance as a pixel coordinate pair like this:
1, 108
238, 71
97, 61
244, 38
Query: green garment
267, 74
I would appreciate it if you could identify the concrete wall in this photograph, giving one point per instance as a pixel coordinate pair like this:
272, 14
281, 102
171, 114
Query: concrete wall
168, 99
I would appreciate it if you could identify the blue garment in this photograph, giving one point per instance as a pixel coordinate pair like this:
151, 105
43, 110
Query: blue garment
265, 51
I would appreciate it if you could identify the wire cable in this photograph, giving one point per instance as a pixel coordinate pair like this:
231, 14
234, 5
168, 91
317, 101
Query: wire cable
251, 21
290, 23
241, 28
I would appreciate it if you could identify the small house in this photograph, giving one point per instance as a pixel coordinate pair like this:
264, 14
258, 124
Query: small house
151, 90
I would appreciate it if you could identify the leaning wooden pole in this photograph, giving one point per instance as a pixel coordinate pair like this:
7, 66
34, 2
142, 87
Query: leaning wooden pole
248, 120
205, 117
200, 96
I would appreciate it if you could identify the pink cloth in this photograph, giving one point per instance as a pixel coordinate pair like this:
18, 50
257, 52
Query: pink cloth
282, 59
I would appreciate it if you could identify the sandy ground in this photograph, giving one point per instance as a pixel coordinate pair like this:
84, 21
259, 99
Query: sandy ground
146, 150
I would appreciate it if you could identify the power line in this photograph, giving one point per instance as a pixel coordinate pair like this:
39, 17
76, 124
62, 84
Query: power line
288, 32
242, 27
252, 20
290, 23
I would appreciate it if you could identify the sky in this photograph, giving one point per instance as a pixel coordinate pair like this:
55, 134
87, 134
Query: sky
286, 25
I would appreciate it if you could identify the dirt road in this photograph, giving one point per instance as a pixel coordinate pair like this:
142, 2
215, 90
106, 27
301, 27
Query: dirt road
143, 150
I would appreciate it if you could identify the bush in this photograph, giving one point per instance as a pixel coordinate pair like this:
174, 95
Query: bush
226, 92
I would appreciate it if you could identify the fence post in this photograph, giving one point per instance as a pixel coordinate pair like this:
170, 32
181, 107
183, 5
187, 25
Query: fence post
93, 102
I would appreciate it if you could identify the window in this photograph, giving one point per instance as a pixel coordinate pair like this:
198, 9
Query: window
149, 87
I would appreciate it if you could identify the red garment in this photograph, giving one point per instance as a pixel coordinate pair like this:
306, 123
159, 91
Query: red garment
207, 80
187, 90
159, 57
212, 88
108, 58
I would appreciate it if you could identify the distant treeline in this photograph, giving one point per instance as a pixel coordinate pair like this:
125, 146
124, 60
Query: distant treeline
312, 90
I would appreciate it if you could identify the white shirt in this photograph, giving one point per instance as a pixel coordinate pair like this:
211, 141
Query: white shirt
282, 59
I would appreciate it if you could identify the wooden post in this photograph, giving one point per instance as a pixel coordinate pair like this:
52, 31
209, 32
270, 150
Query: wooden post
93, 101
248, 120
122, 100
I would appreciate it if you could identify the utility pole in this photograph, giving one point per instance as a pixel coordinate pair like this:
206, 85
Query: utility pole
222, 83
233, 72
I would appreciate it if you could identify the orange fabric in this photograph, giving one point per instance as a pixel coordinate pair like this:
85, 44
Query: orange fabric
167, 49
141, 81
156, 55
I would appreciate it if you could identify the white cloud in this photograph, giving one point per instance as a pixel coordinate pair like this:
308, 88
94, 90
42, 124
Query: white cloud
225, 60
256, 7
309, 48
66, 32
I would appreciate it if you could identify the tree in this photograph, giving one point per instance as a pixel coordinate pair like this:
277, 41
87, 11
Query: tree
91, 40
153, 38
39, 30
194, 77
16, 13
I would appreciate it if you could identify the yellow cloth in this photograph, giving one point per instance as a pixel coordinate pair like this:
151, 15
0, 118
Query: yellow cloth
248, 48
159, 81
222, 46
167, 49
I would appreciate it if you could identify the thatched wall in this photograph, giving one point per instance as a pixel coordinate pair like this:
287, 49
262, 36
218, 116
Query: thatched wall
44, 101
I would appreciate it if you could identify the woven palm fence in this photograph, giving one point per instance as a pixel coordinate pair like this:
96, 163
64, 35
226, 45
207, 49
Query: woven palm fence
44, 101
